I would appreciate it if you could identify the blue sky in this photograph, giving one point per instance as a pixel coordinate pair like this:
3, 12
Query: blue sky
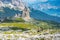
51, 7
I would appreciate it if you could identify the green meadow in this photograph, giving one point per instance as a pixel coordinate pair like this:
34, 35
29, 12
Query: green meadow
34, 26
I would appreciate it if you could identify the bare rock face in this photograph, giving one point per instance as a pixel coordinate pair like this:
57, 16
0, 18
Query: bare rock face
21, 5
1, 4
26, 14
17, 15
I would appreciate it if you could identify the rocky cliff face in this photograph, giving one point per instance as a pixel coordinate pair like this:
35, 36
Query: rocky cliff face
1, 4
19, 4
22, 6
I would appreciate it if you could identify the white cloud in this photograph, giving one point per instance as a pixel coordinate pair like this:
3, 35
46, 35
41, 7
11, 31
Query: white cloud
55, 14
16, 3
44, 6
42, 0
47, 6
30, 1
33, 1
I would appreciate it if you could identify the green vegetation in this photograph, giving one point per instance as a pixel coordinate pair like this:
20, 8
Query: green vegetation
19, 20
18, 23
11, 20
42, 39
40, 27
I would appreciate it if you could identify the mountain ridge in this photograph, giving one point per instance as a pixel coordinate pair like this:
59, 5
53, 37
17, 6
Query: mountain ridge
37, 14
43, 16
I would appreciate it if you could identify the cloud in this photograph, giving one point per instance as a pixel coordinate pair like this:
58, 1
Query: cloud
34, 1
44, 6
42, 0
16, 2
29, 1
54, 14
47, 6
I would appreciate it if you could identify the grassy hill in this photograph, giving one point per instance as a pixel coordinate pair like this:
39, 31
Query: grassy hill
19, 23
38, 26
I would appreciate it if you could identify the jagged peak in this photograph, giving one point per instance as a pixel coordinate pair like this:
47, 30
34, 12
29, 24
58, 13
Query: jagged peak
21, 6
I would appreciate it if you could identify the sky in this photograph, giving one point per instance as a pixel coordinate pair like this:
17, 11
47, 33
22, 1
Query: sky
51, 7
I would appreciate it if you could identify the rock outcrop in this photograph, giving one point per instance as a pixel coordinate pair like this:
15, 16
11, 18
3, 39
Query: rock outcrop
19, 4
22, 6
1, 4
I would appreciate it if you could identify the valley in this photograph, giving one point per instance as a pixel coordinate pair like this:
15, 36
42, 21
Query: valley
18, 21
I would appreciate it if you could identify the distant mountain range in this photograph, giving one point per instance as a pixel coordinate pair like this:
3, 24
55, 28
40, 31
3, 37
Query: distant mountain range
43, 16
36, 14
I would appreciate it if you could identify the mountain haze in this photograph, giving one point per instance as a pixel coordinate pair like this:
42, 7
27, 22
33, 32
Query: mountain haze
12, 9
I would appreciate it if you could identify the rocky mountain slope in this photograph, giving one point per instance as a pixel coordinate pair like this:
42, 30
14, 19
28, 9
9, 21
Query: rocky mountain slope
11, 9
